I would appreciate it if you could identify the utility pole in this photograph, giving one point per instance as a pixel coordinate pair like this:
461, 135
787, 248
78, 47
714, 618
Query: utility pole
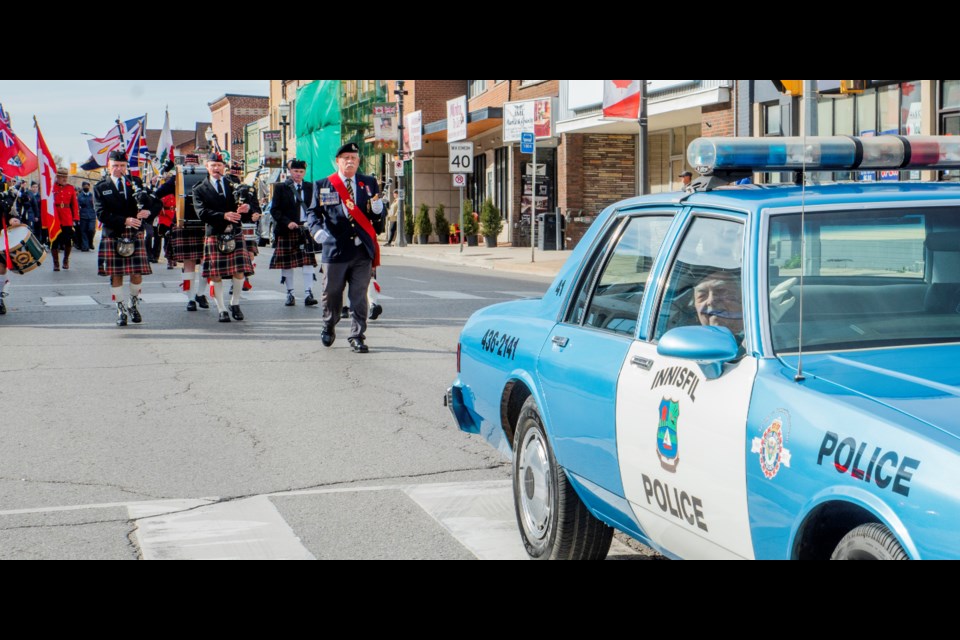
644, 186
401, 228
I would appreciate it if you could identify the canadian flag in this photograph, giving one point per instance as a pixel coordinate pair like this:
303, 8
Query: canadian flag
48, 175
621, 99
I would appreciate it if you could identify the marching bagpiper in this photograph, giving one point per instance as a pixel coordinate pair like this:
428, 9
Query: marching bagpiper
225, 253
123, 208
289, 211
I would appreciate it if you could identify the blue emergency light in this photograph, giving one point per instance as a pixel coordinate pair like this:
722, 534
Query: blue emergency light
825, 153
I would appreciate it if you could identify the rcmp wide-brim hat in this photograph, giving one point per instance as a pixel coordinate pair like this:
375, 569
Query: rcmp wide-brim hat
350, 147
62, 172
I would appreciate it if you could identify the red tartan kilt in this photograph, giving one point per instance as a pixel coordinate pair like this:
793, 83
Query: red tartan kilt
224, 265
111, 264
186, 243
254, 250
289, 255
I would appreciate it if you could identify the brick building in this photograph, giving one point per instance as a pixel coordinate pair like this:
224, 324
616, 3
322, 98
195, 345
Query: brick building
230, 113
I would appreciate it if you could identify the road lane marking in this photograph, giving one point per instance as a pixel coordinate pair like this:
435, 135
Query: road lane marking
68, 301
449, 295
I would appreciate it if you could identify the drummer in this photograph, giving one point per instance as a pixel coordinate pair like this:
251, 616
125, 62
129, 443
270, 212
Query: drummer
186, 246
289, 210
124, 209
10, 220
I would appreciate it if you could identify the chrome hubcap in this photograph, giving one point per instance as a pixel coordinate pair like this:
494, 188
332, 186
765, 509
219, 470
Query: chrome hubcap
535, 494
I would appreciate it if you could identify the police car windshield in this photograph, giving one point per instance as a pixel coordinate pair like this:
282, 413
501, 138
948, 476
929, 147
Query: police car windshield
871, 278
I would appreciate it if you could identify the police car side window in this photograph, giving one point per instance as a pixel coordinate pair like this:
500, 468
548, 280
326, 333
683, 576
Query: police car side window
704, 287
612, 299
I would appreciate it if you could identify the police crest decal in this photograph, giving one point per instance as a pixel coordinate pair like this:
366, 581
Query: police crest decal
667, 443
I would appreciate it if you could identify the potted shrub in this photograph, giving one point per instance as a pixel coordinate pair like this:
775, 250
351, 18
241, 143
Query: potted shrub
470, 226
441, 225
423, 227
491, 224
408, 223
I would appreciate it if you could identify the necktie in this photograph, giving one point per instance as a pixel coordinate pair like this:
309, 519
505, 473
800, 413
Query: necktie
300, 199
120, 188
219, 188
349, 185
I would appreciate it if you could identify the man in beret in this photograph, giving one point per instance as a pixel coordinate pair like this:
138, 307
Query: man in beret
215, 202
124, 209
345, 205
289, 211
685, 178
67, 211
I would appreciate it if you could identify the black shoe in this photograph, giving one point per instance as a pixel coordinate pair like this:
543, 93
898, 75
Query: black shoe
224, 317
291, 301
191, 305
202, 302
375, 311
345, 312
236, 313
327, 336
3, 308
310, 301
121, 315
358, 346
135, 313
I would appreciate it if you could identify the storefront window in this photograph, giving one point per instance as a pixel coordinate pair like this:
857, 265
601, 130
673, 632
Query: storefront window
887, 99
843, 122
951, 94
867, 113
772, 123
910, 112
825, 117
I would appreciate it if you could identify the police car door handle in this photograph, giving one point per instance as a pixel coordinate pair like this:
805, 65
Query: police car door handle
643, 363
560, 341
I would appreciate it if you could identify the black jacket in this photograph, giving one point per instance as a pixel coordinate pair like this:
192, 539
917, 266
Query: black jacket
284, 207
341, 231
113, 209
211, 206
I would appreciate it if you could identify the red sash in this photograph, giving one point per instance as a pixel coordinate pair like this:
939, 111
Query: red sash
356, 214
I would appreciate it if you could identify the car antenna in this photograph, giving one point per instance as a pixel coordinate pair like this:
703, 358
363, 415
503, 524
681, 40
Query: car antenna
803, 255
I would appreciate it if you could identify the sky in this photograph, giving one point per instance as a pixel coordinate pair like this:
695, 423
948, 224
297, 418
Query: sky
67, 108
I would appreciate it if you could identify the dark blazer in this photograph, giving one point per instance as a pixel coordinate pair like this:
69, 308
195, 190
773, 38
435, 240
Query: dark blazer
341, 247
211, 206
113, 209
284, 207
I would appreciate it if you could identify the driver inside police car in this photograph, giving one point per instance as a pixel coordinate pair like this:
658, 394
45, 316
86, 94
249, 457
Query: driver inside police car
718, 301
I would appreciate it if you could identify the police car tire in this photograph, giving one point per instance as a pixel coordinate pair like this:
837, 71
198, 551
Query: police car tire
871, 541
573, 533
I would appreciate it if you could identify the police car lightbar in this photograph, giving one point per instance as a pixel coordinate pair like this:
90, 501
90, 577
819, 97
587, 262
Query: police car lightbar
833, 153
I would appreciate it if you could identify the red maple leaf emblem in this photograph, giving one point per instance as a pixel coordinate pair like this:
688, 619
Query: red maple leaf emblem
621, 84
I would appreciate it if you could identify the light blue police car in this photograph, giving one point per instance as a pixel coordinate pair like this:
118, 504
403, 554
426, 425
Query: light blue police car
741, 371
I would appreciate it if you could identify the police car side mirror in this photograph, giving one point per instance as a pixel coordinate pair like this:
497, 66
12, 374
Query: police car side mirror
709, 347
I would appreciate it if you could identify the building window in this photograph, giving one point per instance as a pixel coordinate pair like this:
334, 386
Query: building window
476, 87
772, 120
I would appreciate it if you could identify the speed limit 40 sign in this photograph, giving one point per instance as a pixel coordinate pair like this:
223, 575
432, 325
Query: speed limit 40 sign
461, 157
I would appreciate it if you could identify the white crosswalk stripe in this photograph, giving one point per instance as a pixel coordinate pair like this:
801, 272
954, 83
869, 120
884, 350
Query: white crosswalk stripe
449, 295
68, 301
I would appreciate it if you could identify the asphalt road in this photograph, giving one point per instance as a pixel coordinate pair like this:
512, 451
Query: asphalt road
183, 437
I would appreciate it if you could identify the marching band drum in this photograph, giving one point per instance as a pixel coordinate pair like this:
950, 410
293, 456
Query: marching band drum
26, 252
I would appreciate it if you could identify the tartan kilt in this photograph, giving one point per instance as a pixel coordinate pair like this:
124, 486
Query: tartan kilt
111, 264
254, 250
224, 265
186, 243
288, 255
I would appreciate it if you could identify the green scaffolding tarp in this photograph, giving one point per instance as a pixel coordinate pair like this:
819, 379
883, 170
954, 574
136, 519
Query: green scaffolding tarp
318, 126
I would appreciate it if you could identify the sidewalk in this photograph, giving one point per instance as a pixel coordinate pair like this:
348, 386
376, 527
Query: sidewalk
512, 259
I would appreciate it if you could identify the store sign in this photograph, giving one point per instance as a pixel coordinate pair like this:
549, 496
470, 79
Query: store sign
413, 131
533, 116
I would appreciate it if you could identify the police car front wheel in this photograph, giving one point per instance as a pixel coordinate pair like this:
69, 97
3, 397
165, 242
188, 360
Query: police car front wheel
554, 522
871, 541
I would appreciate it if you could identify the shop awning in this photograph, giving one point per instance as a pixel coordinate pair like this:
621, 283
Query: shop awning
477, 122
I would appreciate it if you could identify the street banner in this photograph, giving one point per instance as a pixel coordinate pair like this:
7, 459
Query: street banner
621, 99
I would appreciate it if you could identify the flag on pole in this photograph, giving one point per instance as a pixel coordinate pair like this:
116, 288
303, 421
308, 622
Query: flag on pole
100, 148
621, 99
165, 149
48, 175
16, 158
137, 147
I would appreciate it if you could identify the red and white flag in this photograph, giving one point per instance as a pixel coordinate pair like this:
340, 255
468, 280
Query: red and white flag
48, 175
621, 99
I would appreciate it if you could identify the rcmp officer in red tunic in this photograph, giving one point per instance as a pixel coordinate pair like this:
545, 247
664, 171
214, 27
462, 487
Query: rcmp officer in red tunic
67, 210
124, 208
289, 211
345, 205
225, 253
